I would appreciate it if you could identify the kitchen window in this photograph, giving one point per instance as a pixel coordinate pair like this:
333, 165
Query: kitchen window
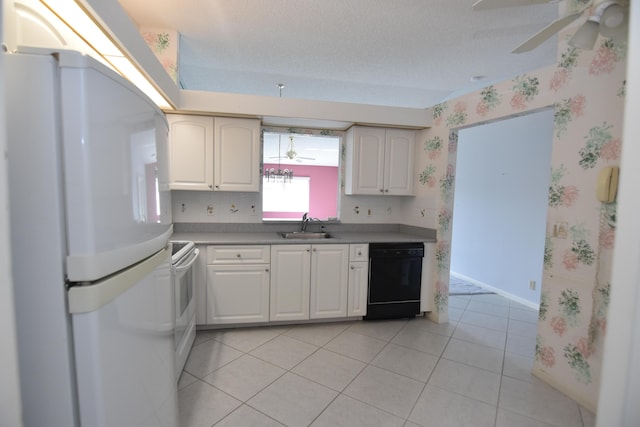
301, 171
282, 198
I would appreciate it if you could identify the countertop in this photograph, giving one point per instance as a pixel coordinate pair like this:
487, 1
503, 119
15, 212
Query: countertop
270, 238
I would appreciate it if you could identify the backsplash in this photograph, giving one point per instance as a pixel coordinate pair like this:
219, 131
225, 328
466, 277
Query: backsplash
215, 207
236, 207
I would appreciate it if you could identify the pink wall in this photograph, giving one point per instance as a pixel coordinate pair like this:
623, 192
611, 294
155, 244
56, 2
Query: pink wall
323, 200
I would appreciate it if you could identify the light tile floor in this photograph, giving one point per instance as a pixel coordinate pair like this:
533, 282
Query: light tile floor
472, 371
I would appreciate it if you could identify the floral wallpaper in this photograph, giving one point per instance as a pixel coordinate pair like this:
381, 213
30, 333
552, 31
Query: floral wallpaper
164, 44
586, 89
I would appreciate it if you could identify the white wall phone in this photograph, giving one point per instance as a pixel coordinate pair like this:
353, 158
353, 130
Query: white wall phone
607, 185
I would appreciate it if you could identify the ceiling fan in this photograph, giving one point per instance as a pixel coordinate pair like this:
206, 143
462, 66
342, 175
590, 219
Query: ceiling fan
607, 17
291, 152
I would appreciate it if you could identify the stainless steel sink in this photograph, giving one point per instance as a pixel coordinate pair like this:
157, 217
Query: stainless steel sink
305, 235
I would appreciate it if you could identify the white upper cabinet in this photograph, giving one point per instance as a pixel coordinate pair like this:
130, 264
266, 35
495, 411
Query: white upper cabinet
31, 23
365, 161
237, 154
380, 161
220, 154
190, 152
399, 161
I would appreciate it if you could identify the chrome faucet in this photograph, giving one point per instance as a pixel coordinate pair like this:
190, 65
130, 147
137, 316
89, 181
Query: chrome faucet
305, 221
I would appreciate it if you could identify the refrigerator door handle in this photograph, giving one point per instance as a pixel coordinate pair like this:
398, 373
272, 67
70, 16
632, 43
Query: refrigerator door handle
85, 299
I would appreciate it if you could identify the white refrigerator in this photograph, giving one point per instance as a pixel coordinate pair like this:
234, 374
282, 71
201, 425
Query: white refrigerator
90, 218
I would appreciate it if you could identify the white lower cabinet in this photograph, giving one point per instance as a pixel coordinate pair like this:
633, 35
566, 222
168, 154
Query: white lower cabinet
238, 284
329, 281
262, 283
358, 280
427, 288
201, 286
290, 270
309, 281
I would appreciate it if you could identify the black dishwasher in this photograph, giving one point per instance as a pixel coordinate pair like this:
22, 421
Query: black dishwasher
395, 276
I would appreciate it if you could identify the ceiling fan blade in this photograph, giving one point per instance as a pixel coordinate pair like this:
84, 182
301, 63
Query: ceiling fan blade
498, 4
546, 33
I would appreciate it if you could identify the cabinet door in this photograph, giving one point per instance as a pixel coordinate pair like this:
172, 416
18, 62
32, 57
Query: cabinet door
358, 286
329, 281
32, 24
427, 286
237, 293
237, 154
290, 270
365, 161
201, 286
190, 152
398, 172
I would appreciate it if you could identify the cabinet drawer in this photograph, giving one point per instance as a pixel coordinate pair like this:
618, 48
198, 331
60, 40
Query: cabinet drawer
253, 254
359, 252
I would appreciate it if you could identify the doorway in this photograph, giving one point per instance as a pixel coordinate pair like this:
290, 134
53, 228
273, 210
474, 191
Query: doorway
500, 205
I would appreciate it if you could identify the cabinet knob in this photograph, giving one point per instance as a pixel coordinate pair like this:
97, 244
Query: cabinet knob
210, 186
352, 267
266, 269
217, 187
314, 249
382, 190
238, 255
359, 253
386, 190
308, 250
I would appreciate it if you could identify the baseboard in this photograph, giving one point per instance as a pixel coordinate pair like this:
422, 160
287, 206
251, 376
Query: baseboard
501, 292
553, 382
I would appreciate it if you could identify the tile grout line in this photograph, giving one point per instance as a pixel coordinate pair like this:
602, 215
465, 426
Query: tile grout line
387, 342
248, 353
504, 357
366, 365
430, 375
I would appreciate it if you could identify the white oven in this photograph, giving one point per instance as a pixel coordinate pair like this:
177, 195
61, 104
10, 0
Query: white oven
183, 260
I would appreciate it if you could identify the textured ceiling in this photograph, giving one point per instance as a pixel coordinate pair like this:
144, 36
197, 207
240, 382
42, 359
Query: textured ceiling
409, 53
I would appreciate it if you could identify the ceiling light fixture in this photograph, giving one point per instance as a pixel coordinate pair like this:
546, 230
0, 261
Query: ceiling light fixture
291, 152
81, 22
279, 175
608, 19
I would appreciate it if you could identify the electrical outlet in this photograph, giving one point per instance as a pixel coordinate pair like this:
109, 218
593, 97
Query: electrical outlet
252, 210
532, 285
209, 210
369, 212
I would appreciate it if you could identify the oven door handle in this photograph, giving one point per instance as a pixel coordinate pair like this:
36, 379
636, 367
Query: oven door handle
184, 266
